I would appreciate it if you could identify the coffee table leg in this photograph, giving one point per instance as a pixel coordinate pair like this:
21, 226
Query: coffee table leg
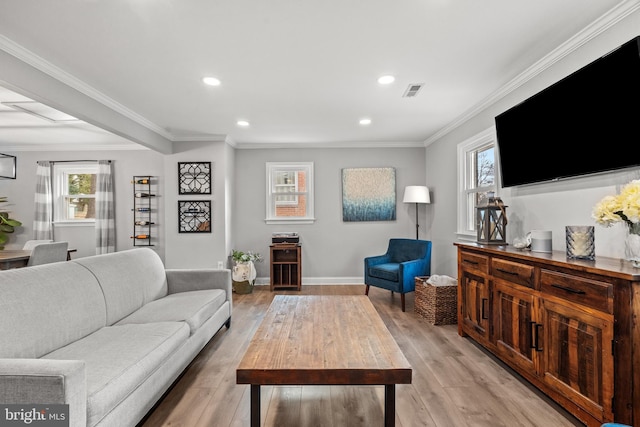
389, 405
255, 405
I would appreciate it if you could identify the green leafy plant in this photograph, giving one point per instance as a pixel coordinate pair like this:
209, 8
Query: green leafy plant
7, 225
240, 256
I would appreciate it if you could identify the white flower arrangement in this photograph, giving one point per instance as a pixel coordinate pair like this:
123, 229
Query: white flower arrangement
625, 207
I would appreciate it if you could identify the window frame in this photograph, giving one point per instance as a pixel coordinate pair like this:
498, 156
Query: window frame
466, 150
61, 190
272, 168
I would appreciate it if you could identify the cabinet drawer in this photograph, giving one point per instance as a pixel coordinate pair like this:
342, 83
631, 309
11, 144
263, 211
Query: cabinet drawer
592, 293
472, 261
514, 272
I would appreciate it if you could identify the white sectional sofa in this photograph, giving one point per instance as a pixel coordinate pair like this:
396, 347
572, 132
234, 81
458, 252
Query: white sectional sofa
106, 334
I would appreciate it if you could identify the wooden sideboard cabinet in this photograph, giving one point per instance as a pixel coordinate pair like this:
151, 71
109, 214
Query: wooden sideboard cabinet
567, 326
286, 266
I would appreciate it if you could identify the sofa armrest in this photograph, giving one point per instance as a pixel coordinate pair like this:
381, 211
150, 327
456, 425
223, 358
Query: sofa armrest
46, 381
185, 280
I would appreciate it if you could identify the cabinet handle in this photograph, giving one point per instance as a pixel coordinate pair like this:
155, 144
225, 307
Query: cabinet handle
570, 290
513, 273
470, 262
484, 311
537, 339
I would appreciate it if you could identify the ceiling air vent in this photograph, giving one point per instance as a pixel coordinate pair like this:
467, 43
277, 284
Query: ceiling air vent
412, 90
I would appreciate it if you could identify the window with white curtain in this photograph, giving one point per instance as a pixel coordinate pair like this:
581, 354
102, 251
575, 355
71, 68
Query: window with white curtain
74, 188
289, 194
477, 177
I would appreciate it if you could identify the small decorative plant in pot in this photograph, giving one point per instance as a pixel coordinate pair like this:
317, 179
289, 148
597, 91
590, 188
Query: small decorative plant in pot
243, 274
7, 225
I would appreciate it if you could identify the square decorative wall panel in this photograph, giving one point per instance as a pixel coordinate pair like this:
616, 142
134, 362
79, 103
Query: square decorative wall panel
194, 216
368, 194
194, 177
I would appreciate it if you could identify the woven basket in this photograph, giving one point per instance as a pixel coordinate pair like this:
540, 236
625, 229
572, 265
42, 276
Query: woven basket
437, 304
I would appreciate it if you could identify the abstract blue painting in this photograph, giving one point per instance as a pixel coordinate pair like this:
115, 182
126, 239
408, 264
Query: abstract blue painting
368, 194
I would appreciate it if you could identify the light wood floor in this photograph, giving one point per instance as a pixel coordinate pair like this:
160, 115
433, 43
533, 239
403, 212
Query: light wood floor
455, 383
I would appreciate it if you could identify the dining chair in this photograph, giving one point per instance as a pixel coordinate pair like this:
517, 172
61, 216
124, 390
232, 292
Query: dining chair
46, 253
30, 244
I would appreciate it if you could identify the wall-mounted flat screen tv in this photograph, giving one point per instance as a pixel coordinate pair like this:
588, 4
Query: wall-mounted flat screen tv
586, 123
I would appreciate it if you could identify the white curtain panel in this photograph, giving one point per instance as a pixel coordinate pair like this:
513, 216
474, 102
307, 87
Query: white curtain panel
105, 209
42, 224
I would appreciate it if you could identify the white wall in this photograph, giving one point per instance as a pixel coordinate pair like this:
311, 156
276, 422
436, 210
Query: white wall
332, 250
196, 250
550, 206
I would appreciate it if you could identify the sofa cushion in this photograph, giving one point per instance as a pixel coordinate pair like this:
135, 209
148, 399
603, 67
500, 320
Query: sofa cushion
46, 307
120, 358
193, 307
385, 271
129, 279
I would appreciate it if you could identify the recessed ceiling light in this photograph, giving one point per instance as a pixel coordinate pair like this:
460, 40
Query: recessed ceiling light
211, 81
242, 123
385, 80
365, 121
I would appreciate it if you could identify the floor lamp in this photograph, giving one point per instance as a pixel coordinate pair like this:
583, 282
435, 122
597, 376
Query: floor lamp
416, 194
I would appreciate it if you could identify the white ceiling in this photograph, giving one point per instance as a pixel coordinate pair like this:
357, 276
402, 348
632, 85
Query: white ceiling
299, 71
19, 129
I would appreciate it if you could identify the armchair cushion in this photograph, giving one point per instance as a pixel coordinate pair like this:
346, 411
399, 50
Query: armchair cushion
387, 271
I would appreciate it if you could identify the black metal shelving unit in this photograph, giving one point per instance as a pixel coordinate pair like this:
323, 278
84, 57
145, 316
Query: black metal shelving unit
143, 209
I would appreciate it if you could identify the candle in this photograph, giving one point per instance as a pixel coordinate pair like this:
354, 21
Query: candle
580, 242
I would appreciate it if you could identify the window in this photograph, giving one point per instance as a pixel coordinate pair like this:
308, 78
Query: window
286, 185
476, 178
74, 188
290, 193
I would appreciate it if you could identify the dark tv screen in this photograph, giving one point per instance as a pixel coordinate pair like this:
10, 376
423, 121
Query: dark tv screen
586, 123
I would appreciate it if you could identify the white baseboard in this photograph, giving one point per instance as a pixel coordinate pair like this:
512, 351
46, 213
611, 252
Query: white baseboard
319, 281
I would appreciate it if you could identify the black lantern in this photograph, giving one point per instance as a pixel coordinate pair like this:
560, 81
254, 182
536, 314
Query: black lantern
491, 222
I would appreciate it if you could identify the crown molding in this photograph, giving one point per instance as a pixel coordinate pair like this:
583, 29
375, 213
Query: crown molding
199, 138
600, 25
73, 147
346, 144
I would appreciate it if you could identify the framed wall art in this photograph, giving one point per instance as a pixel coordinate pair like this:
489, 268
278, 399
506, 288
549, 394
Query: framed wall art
194, 216
368, 194
194, 177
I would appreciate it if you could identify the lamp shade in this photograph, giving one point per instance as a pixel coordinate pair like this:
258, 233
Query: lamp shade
416, 194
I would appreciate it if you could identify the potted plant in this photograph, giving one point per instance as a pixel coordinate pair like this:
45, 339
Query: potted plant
7, 225
243, 274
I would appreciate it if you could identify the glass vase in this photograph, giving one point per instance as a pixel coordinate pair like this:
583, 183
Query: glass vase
580, 242
632, 245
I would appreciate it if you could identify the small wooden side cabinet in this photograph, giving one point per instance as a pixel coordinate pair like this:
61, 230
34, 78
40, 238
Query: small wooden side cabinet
286, 266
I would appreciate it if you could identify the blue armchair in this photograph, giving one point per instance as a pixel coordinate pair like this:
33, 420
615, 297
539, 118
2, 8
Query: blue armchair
397, 269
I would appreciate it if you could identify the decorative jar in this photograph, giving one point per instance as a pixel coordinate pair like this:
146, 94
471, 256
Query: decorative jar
580, 242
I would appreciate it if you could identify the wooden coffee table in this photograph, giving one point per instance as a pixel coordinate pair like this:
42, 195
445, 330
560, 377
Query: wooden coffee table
323, 340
